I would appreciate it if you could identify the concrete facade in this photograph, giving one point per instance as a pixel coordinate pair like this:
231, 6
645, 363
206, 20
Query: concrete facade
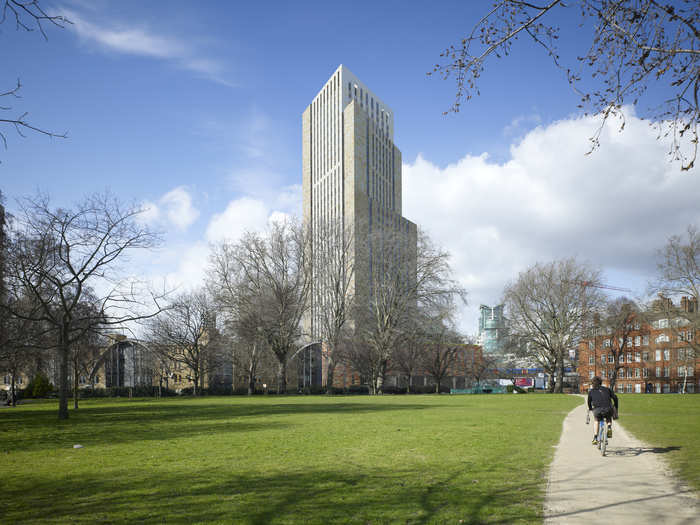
351, 177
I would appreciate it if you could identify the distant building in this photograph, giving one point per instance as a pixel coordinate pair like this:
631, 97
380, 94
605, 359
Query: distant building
658, 357
492, 328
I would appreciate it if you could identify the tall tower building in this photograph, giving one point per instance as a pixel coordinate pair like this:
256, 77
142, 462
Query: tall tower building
352, 177
492, 328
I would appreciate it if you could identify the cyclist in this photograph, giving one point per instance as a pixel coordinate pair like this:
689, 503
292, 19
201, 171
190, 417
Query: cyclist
600, 400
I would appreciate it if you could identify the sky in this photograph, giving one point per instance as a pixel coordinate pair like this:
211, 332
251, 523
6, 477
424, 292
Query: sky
193, 110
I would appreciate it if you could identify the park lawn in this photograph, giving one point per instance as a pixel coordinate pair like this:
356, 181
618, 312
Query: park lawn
670, 424
315, 459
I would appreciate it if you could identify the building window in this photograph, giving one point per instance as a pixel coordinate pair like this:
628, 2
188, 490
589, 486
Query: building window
658, 355
645, 372
629, 388
662, 338
637, 388
603, 358
637, 357
603, 373
590, 374
606, 343
657, 387
645, 356
667, 354
621, 373
620, 387
636, 372
591, 360
658, 371
667, 388
667, 372
622, 358
591, 345
611, 358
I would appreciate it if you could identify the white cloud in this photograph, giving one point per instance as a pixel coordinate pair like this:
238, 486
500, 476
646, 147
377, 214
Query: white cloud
240, 216
613, 208
142, 41
178, 207
174, 208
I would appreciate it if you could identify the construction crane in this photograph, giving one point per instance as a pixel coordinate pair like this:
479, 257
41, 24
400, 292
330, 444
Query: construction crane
597, 285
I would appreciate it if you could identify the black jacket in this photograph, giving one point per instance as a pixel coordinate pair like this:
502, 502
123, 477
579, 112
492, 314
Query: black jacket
601, 397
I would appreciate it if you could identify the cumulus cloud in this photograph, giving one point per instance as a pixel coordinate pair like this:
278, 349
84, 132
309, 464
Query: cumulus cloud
240, 216
174, 208
614, 208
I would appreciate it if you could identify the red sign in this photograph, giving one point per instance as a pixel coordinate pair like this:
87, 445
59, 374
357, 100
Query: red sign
524, 382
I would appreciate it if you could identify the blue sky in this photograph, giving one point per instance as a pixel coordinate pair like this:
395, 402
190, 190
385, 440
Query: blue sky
194, 108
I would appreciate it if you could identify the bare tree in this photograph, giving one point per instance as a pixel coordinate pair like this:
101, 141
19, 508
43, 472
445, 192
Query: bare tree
267, 274
678, 276
58, 256
617, 319
184, 333
440, 352
634, 44
404, 278
332, 292
549, 310
27, 15
18, 339
408, 355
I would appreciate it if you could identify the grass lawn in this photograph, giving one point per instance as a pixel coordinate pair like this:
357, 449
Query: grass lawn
355, 459
670, 423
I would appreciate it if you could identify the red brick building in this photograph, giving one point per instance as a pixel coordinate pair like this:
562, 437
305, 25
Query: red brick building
658, 356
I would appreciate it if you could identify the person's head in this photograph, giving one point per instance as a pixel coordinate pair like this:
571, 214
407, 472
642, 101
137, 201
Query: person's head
596, 382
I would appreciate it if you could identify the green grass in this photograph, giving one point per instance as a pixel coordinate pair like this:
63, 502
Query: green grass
386, 459
670, 424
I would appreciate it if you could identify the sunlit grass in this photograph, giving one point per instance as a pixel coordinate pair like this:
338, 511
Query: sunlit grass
671, 425
385, 459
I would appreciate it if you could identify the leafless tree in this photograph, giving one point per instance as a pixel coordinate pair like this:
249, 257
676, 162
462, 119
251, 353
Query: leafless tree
18, 340
480, 367
618, 319
27, 15
267, 274
548, 309
57, 256
407, 358
184, 332
678, 277
404, 278
332, 292
440, 351
634, 44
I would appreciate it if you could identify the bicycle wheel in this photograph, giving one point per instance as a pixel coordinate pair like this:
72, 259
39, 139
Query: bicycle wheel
603, 440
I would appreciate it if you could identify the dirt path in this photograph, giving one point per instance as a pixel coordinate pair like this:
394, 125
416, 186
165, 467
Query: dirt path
630, 485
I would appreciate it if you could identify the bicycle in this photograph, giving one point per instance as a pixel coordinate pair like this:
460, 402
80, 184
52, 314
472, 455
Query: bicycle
602, 436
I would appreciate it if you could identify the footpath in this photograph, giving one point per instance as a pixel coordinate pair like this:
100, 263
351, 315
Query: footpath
630, 485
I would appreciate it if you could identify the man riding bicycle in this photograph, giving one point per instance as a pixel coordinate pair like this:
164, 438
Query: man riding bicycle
600, 401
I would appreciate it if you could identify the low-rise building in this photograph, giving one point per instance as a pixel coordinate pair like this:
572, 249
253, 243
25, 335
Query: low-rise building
659, 354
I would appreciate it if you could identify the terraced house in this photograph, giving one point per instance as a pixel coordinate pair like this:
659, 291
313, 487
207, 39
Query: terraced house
657, 353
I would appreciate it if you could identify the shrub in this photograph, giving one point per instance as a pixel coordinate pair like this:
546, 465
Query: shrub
509, 389
39, 386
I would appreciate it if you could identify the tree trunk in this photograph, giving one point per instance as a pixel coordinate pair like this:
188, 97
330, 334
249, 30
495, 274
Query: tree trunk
63, 381
75, 385
13, 390
282, 377
409, 384
195, 381
560, 373
329, 376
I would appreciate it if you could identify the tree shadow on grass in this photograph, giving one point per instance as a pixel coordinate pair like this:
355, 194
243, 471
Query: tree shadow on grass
126, 422
315, 496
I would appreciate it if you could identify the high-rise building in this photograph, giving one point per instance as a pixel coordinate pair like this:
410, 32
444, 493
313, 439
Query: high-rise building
492, 328
351, 177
